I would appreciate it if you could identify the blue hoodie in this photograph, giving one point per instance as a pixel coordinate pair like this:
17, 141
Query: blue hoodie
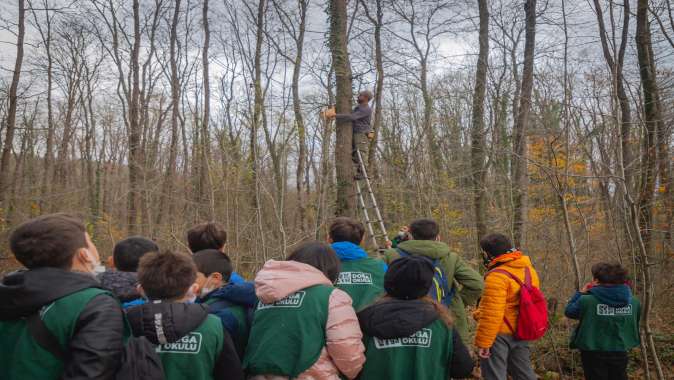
220, 300
612, 295
348, 251
236, 278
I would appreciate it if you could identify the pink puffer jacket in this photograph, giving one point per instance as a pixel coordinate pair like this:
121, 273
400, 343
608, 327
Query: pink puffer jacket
344, 351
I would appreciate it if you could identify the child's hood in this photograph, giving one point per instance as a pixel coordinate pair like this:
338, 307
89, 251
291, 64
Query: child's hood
122, 284
278, 279
348, 251
612, 295
239, 294
429, 248
24, 292
165, 322
392, 318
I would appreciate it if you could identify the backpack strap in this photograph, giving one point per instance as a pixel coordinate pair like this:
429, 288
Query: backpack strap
45, 338
512, 276
527, 280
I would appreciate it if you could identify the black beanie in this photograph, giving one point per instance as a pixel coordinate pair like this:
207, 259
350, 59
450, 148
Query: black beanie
409, 277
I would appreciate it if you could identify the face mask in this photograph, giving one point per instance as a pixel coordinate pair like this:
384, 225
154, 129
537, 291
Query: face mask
206, 289
191, 296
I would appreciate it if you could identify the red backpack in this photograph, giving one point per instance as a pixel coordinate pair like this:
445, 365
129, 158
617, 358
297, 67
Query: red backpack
532, 322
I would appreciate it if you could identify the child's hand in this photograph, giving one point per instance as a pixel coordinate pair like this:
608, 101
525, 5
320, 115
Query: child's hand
588, 286
484, 353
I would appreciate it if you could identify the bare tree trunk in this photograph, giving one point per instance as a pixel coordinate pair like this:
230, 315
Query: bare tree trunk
346, 202
299, 119
258, 102
564, 186
45, 34
166, 206
616, 68
134, 127
478, 144
644, 211
11, 112
520, 174
206, 183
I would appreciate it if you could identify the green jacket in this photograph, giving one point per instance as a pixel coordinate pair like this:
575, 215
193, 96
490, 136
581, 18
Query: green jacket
468, 281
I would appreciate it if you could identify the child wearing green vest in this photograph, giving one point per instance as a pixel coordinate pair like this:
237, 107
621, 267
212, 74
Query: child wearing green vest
57, 293
608, 325
191, 343
303, 327
232, 303
407, 334
361, 277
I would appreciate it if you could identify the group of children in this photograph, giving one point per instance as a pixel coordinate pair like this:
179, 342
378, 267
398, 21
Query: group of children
328, 311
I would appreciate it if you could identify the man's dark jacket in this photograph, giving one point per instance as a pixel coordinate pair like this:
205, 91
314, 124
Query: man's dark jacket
359, 118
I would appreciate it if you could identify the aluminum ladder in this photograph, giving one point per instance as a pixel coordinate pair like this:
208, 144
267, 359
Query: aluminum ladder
375, 228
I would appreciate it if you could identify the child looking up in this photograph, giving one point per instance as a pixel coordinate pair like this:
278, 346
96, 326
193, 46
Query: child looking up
191, 343
232, 303
608, 325
361, 276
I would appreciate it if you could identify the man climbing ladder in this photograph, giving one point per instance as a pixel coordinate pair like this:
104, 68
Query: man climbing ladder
362, 134
362, 130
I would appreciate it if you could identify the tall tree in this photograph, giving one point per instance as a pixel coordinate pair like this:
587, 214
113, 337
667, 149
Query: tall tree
520, 174
44, 27
258, 102
206, 187
346, 202
135, 154
615, 65
166, 206
10, 123
297, 34
478, 144
644, 210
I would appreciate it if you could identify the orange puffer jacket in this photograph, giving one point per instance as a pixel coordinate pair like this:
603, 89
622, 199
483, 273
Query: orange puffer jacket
501, 298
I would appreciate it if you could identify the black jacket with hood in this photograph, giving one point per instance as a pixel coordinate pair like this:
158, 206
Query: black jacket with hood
393, 318
179, 319
95, 348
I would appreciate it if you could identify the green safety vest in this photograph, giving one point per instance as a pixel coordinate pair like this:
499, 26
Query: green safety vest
239, 312
363, 280
426, 354
194, 355
606, 328
287, 336
22, 357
